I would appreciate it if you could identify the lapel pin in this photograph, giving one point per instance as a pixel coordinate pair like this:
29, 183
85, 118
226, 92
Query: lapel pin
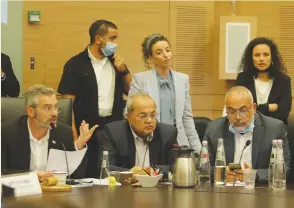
53, 142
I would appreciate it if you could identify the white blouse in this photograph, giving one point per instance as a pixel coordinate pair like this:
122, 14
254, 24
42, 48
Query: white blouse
262, 90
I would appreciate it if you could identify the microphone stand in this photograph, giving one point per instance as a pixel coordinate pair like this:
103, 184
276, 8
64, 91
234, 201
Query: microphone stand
147, 147
66, 163
248, 142
68, 175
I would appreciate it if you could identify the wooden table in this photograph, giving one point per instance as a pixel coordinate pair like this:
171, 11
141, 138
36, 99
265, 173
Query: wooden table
167, 196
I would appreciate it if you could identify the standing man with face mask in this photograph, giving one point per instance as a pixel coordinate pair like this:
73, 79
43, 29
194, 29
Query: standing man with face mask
95, 80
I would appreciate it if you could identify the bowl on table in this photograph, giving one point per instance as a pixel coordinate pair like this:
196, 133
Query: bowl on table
147, 180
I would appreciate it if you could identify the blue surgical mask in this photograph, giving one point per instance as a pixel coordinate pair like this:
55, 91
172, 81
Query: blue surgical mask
109, 49
248, 129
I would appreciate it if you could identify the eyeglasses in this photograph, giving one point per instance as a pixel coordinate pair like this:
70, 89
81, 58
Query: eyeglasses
242, 111
144, 116
48, 108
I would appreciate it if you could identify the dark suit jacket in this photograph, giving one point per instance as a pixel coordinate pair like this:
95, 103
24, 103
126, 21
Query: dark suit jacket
9, 86
15, 145
266, 129
79, 79
118, 140
280, 94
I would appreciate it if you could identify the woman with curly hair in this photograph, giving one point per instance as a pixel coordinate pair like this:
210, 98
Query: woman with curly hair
262, 71
168, 88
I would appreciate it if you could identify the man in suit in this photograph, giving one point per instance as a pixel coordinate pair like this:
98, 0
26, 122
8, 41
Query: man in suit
128, 140
95, 80
243, 123
9, 82
26, 141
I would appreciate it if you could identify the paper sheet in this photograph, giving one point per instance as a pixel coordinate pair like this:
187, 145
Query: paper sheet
103, 182
95, 181
57, 162
238, 183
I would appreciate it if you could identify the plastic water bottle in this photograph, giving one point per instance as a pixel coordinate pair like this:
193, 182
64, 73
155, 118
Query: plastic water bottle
204, 167
279, 179
220, 164
271, 163
105, 166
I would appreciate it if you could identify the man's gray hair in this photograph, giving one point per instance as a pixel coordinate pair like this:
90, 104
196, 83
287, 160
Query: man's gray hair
35, 91
129, 105
239, 90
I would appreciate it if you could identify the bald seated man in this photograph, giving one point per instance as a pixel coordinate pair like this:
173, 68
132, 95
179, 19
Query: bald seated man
127, 140
241, 124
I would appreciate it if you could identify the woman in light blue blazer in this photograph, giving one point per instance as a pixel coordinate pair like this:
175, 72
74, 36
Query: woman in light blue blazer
168, 88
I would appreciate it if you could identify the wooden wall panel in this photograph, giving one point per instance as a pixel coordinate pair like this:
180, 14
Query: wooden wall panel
192, 27
63, 32
286, 29
190, 35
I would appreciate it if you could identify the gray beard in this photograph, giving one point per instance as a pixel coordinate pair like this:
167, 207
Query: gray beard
44, 126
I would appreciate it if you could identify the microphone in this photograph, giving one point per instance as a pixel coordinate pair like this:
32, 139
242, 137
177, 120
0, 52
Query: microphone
65, 154
248, 142
148, 140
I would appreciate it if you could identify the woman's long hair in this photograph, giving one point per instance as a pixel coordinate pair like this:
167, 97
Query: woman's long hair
277, 66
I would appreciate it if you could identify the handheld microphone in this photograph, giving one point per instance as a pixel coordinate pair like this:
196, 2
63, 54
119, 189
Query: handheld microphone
65, 154
248, 142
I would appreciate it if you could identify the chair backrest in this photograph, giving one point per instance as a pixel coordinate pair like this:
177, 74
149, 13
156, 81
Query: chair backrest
290, 131
15, 107
200, 125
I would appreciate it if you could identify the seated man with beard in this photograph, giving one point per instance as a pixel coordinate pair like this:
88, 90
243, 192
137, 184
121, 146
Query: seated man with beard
26, 141
127, 141
244, 124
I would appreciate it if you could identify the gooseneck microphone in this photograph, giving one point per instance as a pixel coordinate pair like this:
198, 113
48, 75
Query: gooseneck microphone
148, 140
65, 154
248, 142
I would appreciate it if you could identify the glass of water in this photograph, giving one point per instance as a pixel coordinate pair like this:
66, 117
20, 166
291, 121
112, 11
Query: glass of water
249, 178
115, 174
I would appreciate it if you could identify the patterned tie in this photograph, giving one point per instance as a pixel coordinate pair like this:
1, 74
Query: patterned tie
164, 82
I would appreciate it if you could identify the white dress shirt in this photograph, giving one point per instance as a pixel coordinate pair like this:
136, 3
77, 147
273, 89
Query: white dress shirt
105, 76
262, 90
240, 141
140, 150
39, 151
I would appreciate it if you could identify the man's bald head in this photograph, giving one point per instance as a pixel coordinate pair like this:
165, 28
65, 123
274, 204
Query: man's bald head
240, 107
139, 99
141, 114
239, 93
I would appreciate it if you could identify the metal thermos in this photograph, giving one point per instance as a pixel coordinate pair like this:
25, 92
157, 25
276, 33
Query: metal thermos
184, 170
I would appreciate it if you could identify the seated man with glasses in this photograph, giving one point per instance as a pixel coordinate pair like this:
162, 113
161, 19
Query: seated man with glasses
128, 141
241, 124
26, 141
